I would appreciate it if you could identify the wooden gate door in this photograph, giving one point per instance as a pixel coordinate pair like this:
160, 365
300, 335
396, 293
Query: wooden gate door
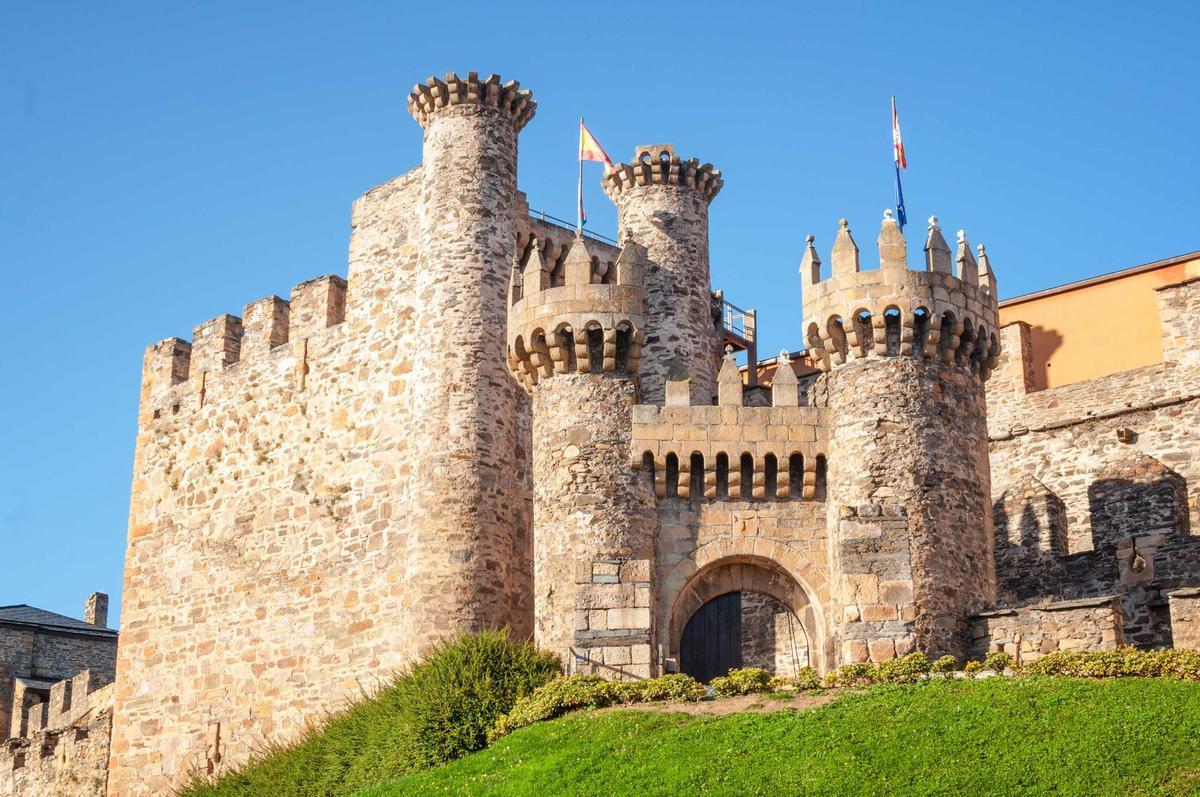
712, 639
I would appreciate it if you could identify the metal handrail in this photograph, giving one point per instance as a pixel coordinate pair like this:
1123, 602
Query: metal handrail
542, 215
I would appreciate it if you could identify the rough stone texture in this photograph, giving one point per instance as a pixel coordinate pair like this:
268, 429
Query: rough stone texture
38, 648
306, 517
67, 759
451, 438
1029, 633
593, 523
662, 205
772, 636
1097, 482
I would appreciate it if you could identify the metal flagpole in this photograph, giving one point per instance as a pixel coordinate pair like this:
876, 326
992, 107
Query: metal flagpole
579, 212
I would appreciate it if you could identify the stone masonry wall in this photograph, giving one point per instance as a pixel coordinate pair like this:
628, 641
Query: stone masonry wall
662, 205
772, 637
1032, 632
300, 525
908, 493
1111, 463
593, 522
68, 757
50, 656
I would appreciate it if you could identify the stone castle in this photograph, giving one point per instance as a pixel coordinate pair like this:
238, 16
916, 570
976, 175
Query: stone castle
493, 421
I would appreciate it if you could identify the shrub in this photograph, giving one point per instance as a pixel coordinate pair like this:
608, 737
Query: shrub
805, 678
1179, 663
451, 700
904, 670
997, 660
945, 664
972, 668
555, 699
857, 674
743, 681
675, 687
437, 710
591, 691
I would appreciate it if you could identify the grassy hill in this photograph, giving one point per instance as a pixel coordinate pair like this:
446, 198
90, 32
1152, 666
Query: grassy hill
998, 736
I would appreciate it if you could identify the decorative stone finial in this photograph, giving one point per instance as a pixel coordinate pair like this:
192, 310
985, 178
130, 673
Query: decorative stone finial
968, 269
962, 236
728, 351
810, 264
937, 251
783, 355
844, 258
893, 249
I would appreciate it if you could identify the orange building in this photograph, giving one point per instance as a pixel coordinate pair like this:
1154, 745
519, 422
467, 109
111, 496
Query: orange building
1097, 326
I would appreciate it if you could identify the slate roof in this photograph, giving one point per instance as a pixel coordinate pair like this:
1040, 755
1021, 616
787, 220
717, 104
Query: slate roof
24, 614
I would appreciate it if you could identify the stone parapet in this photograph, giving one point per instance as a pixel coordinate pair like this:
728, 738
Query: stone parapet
437, 94
938, 313
657, 164
585, 316
730, 450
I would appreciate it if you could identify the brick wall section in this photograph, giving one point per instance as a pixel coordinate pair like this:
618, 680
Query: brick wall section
1184, 606
1029, 633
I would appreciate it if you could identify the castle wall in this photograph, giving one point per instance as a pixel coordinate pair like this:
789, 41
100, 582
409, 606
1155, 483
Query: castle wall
908, 494
67, 756
592, 521
773, 638
1028, 634
1113, 459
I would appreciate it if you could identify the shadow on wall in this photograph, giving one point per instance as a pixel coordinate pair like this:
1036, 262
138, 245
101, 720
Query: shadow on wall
1044, 343
1142, 547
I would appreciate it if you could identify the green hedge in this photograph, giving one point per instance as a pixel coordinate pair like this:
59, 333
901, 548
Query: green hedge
1179, 663
591, 691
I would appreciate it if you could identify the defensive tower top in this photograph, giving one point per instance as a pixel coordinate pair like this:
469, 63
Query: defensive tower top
585, 317
437, 93
657, 164
945, 312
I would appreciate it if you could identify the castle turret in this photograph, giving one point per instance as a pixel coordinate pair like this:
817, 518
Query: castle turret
575, 340
468, 546
662, 205
905, 355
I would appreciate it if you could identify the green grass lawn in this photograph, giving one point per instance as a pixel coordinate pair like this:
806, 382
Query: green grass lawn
997, 736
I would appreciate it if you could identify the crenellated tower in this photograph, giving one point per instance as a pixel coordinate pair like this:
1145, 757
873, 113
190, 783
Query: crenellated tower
466, 541
575, 339
662, 205
905, 354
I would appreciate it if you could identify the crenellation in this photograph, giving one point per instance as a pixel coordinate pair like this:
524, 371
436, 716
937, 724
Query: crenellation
497, 420
265, 326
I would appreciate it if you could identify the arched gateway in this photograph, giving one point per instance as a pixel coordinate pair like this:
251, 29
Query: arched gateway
743, 611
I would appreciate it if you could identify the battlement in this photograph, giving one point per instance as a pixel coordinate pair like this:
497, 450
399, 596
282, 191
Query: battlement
657, 164
69, 701
730, 450
944, 312
220, 343
424, 101
576, 313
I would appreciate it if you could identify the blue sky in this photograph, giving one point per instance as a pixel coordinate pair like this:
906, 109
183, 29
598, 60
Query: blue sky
162, 163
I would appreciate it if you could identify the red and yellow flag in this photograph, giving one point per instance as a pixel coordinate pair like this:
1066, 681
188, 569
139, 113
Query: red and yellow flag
590, 149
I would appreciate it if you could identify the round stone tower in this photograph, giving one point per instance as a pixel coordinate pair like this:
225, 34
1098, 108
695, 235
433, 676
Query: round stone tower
467, 571
576, 347
662, 205
905, 355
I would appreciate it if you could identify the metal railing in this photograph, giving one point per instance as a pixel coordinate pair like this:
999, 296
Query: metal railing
542, 215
